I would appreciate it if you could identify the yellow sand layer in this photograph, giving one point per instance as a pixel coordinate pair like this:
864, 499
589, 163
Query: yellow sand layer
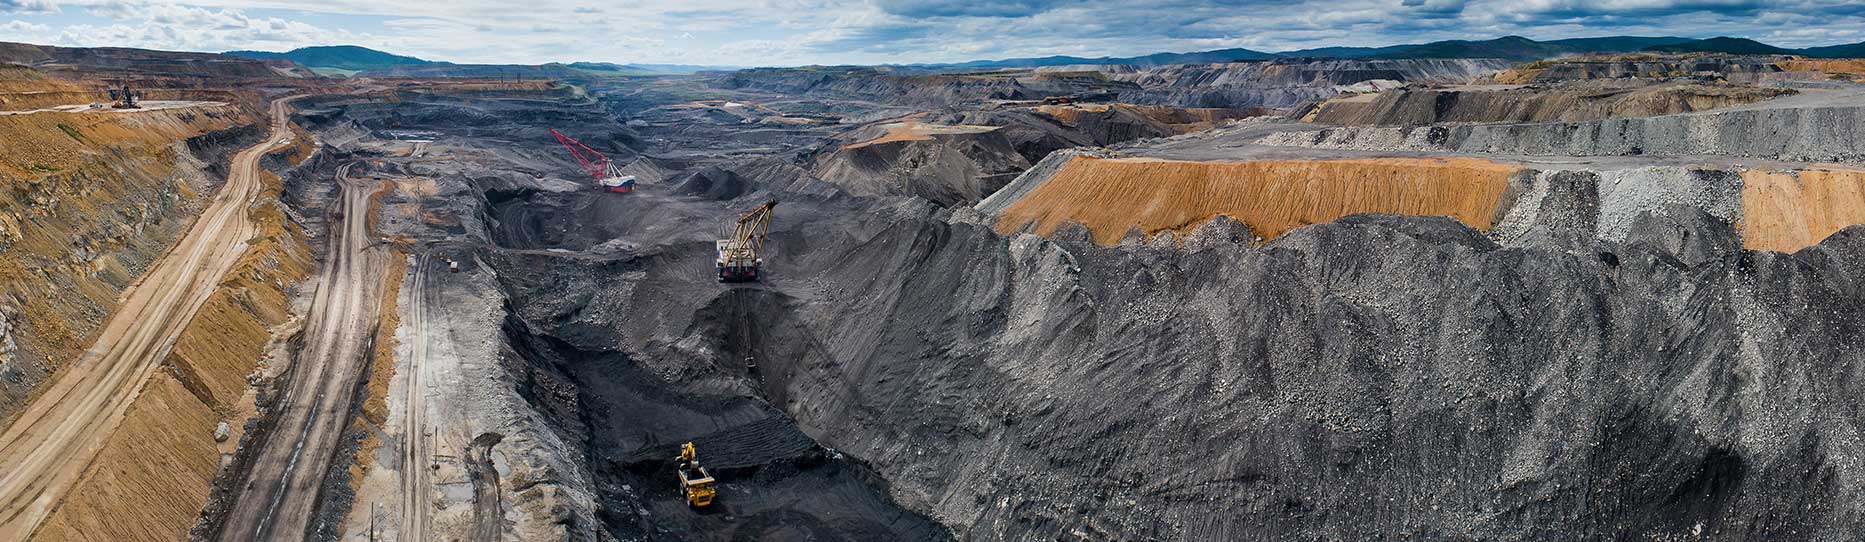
1788, 211
1112, 196
1851, 66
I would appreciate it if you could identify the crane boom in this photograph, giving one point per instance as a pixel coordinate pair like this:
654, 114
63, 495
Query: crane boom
740, 256
598, 165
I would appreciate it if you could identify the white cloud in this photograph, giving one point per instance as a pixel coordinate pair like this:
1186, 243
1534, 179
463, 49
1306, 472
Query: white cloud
788, 32
22, 28
28, 7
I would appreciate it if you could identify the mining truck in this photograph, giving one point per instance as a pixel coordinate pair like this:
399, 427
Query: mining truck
741, 255
695, 483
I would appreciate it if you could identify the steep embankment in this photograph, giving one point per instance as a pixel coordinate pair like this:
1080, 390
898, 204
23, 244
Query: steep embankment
23, 89
948, 164
1789, 210
1115, 195
1376, 376
1734, 68
1579, 103
1287, 83
896, 87
1118, 122
160, 443
1837, 69
1819, 133
91, 200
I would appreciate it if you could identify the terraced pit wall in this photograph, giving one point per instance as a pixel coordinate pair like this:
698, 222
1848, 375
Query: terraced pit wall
1421, 107
90, 200
87, 203
1813, 134
155, 474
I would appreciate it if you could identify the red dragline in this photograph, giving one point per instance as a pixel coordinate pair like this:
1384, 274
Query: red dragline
608, 176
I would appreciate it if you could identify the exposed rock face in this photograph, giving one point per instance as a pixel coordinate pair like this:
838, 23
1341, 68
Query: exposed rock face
957, 165
92, 201
1275, 83
923, 89
1749, 68
1286, 83
7, 345
1802, 134
145, 61
1375, 376
1420, 107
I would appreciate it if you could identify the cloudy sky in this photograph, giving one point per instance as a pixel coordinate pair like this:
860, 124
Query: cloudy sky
793, 32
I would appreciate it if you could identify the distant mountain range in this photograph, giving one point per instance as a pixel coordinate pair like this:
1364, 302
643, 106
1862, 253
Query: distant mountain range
1508, 47
341, 57
350, 60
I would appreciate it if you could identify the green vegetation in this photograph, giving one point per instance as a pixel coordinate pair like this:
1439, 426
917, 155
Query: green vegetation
73, 132
334, 72
42, 168
344, 57
1739, 46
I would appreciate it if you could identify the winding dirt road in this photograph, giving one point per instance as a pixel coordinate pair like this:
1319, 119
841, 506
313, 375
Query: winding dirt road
54, 440
279, 498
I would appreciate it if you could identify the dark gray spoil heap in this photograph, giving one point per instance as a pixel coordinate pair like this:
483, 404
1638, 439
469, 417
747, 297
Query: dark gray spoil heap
1379, 377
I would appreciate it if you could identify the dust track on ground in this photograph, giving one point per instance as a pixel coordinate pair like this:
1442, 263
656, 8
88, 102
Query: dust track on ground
51, 444
280, 498
416, 448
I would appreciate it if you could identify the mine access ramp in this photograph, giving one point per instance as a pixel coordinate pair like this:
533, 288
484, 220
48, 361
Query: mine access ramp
741, 255
598, 165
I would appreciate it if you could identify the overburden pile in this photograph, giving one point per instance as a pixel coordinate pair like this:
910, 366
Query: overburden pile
1374, 376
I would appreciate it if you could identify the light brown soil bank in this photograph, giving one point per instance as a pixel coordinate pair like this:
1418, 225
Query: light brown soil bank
87, 202
1113, 196
1852, 66
1788, 211
153, 476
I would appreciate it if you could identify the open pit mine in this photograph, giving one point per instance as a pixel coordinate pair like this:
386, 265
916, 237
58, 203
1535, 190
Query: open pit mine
1584, 297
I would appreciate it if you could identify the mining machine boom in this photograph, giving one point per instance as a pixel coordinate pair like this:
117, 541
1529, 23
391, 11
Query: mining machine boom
608, 176
741, 255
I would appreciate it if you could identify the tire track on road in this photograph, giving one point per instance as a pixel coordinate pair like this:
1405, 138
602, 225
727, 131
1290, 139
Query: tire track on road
280, 497
49, 447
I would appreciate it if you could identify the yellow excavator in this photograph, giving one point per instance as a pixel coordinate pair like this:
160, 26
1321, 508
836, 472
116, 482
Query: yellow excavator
695, 483
740, 256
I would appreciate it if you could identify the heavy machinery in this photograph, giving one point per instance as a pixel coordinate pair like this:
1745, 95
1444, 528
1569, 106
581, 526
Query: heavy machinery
598, 165
740, 256
695, 483
125, 97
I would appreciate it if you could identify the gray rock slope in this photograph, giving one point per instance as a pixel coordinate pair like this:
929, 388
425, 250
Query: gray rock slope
1378, 377
1831, 133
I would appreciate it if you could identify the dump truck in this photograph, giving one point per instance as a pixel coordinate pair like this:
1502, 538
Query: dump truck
695, 483
741, 255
